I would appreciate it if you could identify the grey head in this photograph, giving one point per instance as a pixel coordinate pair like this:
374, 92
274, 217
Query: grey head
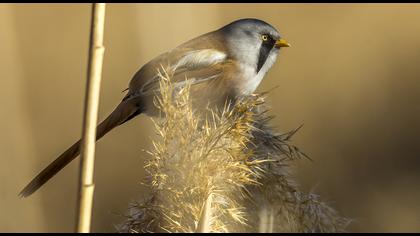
253, 42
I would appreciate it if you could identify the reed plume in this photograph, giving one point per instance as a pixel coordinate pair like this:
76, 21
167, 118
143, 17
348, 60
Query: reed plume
280, 205
197, 157
229, 168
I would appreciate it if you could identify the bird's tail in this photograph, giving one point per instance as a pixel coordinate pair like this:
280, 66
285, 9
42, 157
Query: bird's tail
125, 111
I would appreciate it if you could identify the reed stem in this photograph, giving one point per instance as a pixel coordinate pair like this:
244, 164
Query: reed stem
90, 117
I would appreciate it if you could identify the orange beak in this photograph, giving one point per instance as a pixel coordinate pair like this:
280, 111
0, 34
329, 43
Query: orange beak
282, 43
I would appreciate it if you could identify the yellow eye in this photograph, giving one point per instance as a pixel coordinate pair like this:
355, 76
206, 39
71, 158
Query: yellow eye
264, 37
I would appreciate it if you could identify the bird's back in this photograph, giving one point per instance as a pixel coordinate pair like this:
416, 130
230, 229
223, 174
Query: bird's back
204, 61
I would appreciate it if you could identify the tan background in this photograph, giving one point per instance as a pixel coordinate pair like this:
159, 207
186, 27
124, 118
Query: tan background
352, 77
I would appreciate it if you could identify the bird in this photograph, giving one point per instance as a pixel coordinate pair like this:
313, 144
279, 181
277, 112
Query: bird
221, 65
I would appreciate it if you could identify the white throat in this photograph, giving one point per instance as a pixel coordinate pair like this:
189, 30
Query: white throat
251, 79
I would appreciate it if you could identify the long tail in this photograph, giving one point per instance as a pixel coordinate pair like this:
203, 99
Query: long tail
125, 111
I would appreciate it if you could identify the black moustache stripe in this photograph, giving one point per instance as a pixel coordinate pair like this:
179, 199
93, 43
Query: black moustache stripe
264, 52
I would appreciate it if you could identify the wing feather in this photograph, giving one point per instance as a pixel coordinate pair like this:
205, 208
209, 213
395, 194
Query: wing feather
196, 66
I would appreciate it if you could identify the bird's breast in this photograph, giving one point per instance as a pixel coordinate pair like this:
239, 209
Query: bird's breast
247, 80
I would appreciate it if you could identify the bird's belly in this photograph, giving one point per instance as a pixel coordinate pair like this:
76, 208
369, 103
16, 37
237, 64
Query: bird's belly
203, 97
213, 96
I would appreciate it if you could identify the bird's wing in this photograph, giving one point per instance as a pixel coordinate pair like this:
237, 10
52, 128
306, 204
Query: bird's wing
182, 65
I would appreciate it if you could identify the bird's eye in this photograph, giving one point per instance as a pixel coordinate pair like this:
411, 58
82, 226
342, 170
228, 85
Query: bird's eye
264, 37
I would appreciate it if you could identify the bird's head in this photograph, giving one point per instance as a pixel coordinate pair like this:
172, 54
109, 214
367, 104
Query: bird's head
253, 42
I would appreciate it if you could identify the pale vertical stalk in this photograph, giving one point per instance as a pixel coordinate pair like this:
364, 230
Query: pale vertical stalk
204, 224
90, 117
263, 220
271, 221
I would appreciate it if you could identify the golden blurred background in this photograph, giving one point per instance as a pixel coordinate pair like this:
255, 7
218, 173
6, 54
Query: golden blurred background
352, 78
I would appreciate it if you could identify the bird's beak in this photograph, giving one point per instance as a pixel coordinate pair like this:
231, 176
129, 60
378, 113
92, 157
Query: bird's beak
282, 43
